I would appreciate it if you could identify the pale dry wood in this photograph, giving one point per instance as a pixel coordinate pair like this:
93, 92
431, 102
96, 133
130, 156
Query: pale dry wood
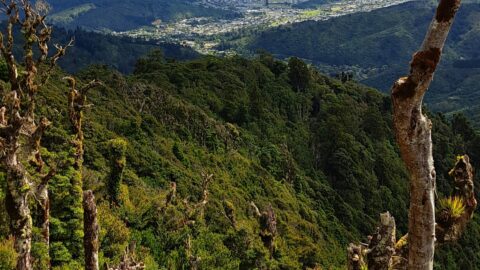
414, 136
20, 134
378, 253
91, 231
128, 261
413, 131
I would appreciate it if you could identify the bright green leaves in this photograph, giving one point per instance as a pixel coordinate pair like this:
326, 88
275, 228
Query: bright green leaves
453, 206
117, 154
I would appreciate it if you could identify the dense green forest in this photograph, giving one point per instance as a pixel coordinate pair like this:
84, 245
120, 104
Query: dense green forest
319, 150
121, 53
376, 46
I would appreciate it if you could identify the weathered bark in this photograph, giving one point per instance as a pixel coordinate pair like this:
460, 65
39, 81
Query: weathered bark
41, 192
449, 228
268, 225
254, 210
43, 199
193, 261
382, 244
77, 100
76, 104
355, 257
91, 231
384, 252
268, 229
172, 194
128, 262
413, 132
20, 135
18, 189
207, 179
378, 253
197, 211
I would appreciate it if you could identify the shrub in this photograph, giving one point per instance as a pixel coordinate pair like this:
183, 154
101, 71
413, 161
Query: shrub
8, 256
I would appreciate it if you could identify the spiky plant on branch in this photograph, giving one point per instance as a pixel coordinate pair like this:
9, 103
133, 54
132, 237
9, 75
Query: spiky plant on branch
413, 130
454, 213
453, 207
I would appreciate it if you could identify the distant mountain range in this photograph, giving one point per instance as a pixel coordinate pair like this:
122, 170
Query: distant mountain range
378, 45
313, 3
122, 15
120, 53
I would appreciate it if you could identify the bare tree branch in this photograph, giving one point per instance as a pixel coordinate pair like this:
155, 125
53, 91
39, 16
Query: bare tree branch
20, 135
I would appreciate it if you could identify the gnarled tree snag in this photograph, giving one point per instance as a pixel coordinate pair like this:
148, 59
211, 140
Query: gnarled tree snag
449, 226
413, 132
91, 230
193, 261
77, 100
382, 244
128, 261
384, 252
43, 199
20, 134
268, 228
76, 104
355, 259
268, 225
378, 253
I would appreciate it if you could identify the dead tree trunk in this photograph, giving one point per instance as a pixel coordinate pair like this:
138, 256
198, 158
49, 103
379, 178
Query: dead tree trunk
43, 199
413, 132
128, 261
268, 223
384, 252
76, 104
77, 100
378, 253
91, 231
20, 134
193, 261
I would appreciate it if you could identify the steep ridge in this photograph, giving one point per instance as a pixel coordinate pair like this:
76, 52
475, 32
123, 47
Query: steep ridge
320, 151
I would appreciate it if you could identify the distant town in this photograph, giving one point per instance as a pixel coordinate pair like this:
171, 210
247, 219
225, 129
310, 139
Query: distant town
203, 33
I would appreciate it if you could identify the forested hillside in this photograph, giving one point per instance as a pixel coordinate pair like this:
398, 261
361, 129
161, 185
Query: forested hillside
122, 15
313, 3
376, 46
318, 150
121, 53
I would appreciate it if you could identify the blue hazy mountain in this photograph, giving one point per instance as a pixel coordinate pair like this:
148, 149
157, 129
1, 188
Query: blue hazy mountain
380, 44
121, 15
